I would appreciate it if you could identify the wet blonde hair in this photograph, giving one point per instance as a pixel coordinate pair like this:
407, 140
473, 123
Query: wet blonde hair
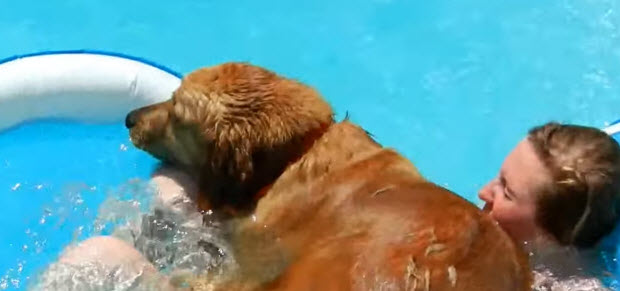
581, 203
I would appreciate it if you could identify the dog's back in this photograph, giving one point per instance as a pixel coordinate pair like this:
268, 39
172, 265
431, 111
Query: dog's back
351, 215
326, 207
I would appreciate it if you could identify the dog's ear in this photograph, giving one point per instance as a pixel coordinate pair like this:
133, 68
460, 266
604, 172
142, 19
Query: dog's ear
245, 109
231, 154
252, 121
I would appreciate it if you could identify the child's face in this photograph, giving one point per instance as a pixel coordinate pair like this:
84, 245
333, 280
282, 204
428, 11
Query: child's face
511, 197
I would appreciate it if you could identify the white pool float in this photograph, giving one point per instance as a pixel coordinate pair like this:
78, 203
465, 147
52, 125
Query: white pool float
86, 86
613, 129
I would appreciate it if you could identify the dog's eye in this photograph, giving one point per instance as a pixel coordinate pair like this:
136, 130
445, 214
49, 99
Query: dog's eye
177, 110
173, 98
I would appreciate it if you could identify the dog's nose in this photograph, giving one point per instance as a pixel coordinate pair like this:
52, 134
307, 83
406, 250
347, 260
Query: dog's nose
130, 119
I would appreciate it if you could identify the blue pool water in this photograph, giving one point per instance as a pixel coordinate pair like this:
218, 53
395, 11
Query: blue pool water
54, 177
451, 84
454, 81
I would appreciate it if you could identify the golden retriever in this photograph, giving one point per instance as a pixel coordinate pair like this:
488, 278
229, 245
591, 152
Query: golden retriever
318, 204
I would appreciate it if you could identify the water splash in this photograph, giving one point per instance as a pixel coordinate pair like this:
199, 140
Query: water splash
179, 242
172, 239
94, 276
566, 268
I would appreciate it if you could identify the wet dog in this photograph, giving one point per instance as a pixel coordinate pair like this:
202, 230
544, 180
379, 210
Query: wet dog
317, 204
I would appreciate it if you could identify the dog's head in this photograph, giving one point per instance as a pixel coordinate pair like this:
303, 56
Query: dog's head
234, 120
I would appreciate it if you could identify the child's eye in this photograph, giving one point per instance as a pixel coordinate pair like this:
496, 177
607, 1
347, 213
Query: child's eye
506, 195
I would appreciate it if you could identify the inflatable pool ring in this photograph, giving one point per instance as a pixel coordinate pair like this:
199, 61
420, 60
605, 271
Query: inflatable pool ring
613, 129
86, 86
610, 245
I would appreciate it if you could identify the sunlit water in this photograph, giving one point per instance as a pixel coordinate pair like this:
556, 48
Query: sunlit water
63, 182
445, 80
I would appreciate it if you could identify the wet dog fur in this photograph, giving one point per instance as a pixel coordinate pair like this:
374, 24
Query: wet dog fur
318, 204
